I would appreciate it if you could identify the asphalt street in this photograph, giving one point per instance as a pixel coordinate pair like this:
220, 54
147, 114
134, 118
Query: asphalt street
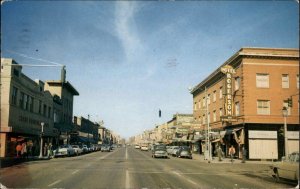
131, 168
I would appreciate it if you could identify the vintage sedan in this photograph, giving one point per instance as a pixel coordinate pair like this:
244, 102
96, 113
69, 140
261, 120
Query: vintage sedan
64, 150
184, 152
77, 149
159, 151
288, 168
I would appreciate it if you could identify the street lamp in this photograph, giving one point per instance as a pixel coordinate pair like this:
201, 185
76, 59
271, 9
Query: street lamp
41, 135
285, 114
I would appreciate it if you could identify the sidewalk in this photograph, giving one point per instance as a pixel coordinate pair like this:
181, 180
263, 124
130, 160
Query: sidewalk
200, 157
10, 161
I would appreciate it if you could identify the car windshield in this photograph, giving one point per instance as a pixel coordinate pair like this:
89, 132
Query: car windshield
158, 94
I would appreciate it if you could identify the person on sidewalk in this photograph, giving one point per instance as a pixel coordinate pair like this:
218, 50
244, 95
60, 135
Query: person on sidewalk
231, 153
18, 149
24, 150
219, 153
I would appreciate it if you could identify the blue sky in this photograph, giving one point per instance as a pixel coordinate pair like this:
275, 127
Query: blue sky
128, 59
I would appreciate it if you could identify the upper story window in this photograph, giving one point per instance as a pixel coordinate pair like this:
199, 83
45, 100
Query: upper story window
203, 102
221, 92
221, 112
214, 96
237, 83
214, 116
14, 96
203, 119
199, 104
262, 80
263, 107
208, 99
40, 107
285, 81
237, 108
31, 101
21, 102
45, 110
49, 112
195, 105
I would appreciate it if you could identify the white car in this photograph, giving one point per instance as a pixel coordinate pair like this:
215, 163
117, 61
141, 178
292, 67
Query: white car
144, 148
137, 146
64, 150
77, 149
288, 168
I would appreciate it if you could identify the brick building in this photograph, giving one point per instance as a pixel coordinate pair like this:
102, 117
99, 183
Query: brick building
245, 98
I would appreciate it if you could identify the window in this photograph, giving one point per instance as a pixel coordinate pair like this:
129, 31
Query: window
203, 119
208, 99
26, 102
297, 81
45, 110
237, 108
203, 102
199, 104
262, 80
285, 81
49, 112
263, 107
14, 96
221, 112
31, 104
21, 102
214, 116
214, 96
285, 104
40, 107
195, 105
237, 83
221, 92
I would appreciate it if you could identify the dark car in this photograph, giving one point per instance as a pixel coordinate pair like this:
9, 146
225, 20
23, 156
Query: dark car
184, 151
159, 151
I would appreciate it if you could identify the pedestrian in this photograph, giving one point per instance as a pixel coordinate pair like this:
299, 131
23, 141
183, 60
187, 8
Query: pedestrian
244, 154
231, 153
219, 153
18, 149
45, 150
49, 151
24, 150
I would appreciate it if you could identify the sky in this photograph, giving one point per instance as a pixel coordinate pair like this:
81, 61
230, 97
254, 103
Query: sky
128, 59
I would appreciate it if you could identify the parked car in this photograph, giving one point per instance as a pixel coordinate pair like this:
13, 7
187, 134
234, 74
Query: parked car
144, 148
288, 168
137, 146
170, 149
174, 151
159, 151
77, 149
105, 148
91, 147
184, 151
64, 150
84, 148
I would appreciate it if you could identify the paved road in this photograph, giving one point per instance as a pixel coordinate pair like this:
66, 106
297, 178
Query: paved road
132, 168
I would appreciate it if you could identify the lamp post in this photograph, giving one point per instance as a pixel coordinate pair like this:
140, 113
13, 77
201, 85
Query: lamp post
285, 114
41, 145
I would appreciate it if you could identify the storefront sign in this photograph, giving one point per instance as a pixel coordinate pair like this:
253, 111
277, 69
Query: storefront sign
262, 134
293, 135
31, 121
228, 114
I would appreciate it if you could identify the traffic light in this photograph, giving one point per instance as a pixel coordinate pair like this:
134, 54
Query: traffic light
290, 102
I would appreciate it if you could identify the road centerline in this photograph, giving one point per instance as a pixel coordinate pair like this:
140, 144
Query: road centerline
56, 182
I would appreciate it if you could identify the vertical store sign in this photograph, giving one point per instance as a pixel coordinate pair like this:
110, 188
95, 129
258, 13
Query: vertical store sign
228, 114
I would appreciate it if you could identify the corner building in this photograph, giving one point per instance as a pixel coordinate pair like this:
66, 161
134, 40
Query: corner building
246, 110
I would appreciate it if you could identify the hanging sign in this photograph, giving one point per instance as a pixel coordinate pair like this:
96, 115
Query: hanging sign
228, 114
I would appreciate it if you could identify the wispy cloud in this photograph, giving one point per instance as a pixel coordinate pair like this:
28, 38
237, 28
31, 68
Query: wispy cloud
125, 27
